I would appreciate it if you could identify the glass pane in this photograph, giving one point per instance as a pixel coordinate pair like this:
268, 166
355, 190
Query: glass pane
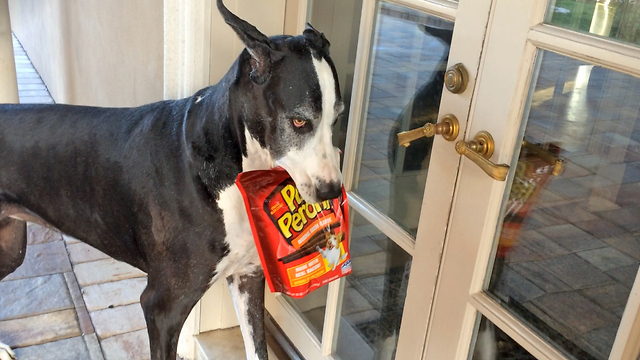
491, 343
409, 58
311, 308
570, 244
339, 20
374, 294
616, 19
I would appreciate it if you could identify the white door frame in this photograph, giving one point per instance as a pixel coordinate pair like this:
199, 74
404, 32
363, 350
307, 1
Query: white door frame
8, 77
428, 247
516, 34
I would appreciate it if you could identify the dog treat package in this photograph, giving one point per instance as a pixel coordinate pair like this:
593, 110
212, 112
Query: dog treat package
302, 246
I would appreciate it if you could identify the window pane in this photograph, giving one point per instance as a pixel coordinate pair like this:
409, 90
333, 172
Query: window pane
409, 58
616, 19
569, 248
339, 20
374, 294
491, 343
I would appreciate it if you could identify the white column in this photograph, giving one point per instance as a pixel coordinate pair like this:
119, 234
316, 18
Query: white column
8, 80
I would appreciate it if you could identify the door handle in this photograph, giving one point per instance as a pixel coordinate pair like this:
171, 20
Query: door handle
448, 127
479, 150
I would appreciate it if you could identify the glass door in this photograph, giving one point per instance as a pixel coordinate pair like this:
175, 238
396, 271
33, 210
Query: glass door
544, 265
399, 196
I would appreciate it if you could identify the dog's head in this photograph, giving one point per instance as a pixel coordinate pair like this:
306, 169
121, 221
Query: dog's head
288, 99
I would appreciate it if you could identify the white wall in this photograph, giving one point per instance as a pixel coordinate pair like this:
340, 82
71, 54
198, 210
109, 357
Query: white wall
94, 52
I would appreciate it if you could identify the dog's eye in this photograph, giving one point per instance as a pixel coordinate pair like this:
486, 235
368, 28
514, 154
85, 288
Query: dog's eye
299, 123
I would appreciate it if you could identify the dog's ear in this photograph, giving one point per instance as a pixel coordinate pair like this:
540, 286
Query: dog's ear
339, 236
316, 38
260, 47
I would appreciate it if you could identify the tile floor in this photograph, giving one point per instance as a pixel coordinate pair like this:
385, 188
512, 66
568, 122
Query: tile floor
68, 300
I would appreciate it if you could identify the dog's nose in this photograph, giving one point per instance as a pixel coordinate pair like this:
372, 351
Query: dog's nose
328, 190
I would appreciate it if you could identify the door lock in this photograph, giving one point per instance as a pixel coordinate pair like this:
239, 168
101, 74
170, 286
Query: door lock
456, 79
479, 150
448, 127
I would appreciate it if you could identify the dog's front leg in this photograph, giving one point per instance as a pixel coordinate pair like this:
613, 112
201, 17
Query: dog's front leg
248, 297
165, 310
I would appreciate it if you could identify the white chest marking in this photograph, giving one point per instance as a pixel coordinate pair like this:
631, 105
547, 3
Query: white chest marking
243, 256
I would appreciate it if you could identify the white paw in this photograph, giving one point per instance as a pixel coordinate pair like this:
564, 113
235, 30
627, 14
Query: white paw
6, 353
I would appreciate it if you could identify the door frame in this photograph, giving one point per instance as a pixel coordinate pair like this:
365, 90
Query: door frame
427, 249
516, 34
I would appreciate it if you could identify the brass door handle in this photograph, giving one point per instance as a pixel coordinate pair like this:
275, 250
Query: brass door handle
479, 150
448, 127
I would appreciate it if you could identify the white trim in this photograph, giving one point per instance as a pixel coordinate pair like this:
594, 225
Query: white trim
359, 93
515, 328
441, 8
9, 83
187, 41
626, 346
608, 53
382, 223
332, 314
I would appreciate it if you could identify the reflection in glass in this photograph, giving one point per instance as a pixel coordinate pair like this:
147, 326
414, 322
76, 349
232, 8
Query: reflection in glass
374, 294
409, 58
569, 248
329, 17
616, 19
491, 343
312, 308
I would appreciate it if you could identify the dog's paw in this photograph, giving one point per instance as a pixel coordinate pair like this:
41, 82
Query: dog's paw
6, 353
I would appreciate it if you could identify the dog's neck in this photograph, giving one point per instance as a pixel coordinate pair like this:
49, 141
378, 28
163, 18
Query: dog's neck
220, 143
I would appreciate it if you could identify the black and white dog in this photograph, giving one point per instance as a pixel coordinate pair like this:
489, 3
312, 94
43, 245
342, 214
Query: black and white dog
154, 185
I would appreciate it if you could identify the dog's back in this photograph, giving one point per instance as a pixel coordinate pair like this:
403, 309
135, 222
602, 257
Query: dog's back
67, 162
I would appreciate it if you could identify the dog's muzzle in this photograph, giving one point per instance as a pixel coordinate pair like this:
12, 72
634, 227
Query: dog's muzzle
328, 190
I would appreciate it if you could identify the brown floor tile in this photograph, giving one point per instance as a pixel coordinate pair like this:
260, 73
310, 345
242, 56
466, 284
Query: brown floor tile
86, 326
575, 311
599, 342
571, 238
629, 244
607, 258
37, 234
39, 329
80, 253
43, 259
74, 289
601, 228
129, 346
118, 320
575, 272
93, 345
624, 275
608, 297
68, 349
540, 277
117, 293
102, 271
33, 296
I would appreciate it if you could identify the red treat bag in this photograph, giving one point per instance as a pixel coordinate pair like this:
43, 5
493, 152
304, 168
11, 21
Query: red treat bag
302, 246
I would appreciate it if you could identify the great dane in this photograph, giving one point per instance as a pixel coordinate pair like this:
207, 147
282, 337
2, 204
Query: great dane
153, 186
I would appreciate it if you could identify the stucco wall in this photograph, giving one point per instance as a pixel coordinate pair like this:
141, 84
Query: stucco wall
94, 52
267, 15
